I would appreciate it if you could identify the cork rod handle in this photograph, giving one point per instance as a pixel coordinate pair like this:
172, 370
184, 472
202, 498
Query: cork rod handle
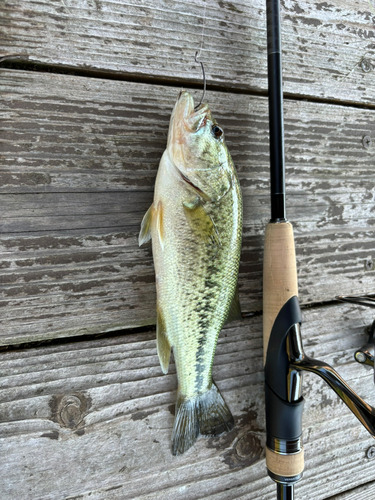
279, 285
279, 274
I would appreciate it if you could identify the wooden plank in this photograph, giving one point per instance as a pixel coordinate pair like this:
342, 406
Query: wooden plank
365, 491
118, 434
78, 163
328, 49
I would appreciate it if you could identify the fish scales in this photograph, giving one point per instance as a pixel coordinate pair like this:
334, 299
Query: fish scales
204, 274
195, 223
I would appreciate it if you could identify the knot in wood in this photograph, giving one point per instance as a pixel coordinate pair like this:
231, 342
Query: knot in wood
248, 446
70, 413
70, 410
246, 450
243, 447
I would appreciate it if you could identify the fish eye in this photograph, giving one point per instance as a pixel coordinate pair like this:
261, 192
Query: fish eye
217, 131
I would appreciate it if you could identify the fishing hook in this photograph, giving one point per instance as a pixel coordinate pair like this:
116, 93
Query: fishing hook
204, 80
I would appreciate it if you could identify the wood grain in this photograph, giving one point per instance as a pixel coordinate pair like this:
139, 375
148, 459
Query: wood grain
360, 493
94, 419
328, 49
77, 167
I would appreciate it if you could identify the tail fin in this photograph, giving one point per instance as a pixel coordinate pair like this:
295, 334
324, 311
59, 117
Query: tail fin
205, 414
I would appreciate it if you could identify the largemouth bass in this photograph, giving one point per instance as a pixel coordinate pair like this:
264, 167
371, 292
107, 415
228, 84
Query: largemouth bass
195, 223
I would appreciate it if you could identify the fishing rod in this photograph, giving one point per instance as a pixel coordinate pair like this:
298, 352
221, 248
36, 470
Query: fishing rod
284, 452
284, 358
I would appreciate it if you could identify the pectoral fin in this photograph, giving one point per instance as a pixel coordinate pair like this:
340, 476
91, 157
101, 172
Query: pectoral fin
162, 342
145, 234
152, 216
234, 313
200, 221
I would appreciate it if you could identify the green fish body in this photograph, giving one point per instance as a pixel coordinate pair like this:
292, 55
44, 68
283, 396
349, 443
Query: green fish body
195, 223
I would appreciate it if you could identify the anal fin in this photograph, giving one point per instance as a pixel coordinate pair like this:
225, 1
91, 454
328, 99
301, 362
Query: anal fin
162, 342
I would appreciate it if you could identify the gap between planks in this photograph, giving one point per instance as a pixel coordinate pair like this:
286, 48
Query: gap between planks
136, 331
8, 62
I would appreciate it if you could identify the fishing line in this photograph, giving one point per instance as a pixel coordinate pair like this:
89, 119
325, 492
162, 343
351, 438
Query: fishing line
204, 19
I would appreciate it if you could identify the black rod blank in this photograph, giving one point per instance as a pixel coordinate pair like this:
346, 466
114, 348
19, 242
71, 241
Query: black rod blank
285, 492
276, 121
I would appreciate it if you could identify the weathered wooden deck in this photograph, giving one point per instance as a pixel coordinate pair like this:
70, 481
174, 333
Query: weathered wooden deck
87, 87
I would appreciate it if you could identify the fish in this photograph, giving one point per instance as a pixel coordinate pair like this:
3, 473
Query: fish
195, 223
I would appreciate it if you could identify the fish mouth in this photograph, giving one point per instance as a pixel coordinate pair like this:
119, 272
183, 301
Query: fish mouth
185, 104
201, 107
192, 109
185, 109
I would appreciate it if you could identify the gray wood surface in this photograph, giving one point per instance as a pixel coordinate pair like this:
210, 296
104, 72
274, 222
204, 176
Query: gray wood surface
328, 48
365, 492
78, 162
93, 420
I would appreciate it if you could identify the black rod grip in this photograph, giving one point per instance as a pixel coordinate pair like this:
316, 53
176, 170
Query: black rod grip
283, 419
284, 452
